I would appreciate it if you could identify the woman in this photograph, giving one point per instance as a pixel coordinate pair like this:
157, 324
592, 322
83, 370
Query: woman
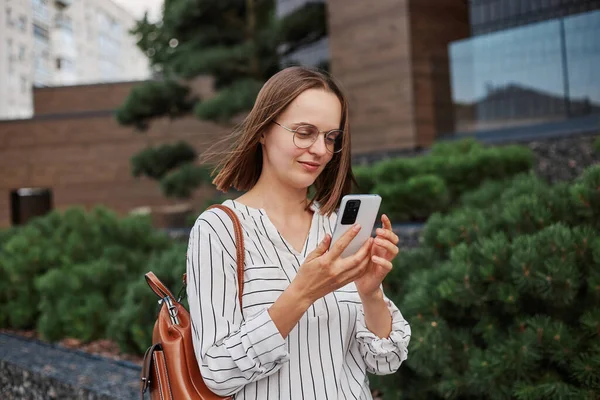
312, 324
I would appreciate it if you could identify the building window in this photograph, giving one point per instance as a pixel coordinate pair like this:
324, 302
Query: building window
63, 64
22, 52
23, 23
40, 32
24, 86
64, 22
9, 21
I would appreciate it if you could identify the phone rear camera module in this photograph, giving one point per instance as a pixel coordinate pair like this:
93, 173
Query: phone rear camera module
350, 212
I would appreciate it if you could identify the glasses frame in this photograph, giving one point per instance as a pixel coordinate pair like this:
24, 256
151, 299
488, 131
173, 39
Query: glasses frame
326, 134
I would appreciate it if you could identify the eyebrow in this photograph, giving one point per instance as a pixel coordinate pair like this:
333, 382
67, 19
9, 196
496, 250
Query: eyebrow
308, 123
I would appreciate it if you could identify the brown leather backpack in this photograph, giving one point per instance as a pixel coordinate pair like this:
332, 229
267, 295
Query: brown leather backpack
170, 370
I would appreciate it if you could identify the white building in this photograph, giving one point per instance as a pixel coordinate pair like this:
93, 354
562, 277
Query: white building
63, 42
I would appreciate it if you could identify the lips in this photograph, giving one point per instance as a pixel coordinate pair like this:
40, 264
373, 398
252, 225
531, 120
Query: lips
310, 166
310, 163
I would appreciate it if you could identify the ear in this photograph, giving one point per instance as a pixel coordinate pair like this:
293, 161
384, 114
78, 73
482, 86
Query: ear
262, 138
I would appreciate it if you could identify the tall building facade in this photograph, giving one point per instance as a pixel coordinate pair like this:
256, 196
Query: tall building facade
419, 70
63, 42
495, 15
528, 64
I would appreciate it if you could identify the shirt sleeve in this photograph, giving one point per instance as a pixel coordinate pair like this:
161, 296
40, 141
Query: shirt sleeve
384, 355
231, 351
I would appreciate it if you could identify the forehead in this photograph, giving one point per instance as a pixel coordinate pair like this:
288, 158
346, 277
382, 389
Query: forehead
315, 106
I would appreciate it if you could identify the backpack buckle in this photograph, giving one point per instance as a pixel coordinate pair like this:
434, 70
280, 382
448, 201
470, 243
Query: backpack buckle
172, 309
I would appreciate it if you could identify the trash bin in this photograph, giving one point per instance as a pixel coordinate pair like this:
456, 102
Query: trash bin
28, 203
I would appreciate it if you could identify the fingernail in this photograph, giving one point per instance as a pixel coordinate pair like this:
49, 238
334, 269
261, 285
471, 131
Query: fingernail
356, 228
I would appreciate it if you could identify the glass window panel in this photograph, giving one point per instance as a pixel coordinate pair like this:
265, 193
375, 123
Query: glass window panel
508, 78
583, 61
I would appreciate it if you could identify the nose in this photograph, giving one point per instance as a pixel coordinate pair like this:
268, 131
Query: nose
319, 147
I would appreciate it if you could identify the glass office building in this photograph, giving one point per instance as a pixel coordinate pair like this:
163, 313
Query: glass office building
530, 73
488, 16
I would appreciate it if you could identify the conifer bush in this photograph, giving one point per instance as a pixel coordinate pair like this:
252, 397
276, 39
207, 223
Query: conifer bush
131, 326
416, 187
65, 273
414, 198
503, 296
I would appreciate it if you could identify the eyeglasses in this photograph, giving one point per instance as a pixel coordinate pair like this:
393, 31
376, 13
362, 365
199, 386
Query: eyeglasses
306, 135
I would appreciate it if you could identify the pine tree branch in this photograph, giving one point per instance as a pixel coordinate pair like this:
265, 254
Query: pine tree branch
181, 182
230, 101
154, 99
156, 162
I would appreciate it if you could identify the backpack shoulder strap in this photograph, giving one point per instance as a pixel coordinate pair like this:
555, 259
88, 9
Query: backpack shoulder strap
239, 240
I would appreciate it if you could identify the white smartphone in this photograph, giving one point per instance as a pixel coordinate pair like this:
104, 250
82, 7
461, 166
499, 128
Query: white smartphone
356, 208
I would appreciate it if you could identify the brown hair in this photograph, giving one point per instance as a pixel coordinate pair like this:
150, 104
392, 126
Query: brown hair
241, 165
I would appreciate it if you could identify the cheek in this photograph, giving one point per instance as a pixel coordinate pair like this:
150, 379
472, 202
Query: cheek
282, 152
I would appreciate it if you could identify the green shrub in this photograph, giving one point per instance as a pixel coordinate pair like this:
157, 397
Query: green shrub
79, 300
414, 198
365, 179
461, 166
504, 296
394, 170
455, 147
91, 253
597, 145
132, 324
464, 172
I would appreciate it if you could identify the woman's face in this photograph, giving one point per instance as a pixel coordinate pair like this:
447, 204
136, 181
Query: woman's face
282, 158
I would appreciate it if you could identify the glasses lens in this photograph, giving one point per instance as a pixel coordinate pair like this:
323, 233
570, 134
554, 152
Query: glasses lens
305, 136
333, 141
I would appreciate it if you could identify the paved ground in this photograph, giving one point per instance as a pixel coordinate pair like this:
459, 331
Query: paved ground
99, 376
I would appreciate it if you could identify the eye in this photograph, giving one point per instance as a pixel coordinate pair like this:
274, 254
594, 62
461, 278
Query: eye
306, 130
334, 136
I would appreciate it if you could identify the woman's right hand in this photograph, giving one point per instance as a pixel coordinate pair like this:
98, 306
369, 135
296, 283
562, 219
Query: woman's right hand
325, 271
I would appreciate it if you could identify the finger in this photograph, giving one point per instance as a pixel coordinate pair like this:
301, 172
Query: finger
382, 262
364, 251
320, 250
388, 234
355, 259
340, 245
387, 246
356, 272
385, 222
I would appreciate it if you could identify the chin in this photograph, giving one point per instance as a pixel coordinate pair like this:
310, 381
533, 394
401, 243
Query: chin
301, 180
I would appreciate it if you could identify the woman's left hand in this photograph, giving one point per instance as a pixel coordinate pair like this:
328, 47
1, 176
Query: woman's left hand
383, 251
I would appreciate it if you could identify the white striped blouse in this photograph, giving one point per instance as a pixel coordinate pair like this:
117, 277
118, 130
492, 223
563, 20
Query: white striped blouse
240, 351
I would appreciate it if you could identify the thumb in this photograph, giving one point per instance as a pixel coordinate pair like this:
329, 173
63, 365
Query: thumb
320, 250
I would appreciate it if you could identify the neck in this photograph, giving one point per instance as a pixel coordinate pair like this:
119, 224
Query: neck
276, 198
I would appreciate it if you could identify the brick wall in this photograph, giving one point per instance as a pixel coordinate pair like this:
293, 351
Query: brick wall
85, 159
80, 98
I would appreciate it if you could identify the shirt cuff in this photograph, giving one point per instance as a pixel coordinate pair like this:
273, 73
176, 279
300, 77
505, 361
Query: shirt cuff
267, 342
398, 338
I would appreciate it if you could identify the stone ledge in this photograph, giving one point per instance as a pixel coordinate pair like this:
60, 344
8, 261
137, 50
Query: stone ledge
32, 370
